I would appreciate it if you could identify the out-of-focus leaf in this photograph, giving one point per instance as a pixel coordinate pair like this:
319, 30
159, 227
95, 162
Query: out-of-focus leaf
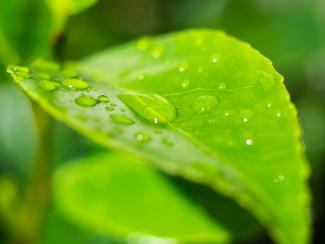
62, 9
199, 104
120, 196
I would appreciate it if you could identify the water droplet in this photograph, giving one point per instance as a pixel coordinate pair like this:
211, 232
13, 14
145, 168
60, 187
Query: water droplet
141, 76
22, 71
167, 142
221, 86
75, 84
249, 142
266, 79
204, 103
69, 72
185, 83
121, 119
151, 107
269, 105
157, 52
110, 108
143, 43
245, 120
48, 85
278, 114
86, 101
43, 76
103, 99
214, 59
211, 121
226, 114
122, 109
279, 178
142, 137
182, 67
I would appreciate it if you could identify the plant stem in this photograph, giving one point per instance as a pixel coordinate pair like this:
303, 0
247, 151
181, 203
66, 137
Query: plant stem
39, 189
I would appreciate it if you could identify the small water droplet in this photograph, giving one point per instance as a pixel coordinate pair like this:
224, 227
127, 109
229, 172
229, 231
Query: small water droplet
278, 114
269, 105
185, 83
142, 137
279, 178
103, 99
157, 52
182, 67
121, 119
245, 120
204, 103
249, 142
75, 84
86, 101
151, 107
141, 76
266, 79
48, 85
214, 59
110, 108
221, 86
211, 121
226, 114
167, 142
143, 43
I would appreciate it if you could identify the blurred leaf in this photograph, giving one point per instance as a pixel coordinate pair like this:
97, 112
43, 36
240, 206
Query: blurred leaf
199, 104
17, 129
62, 9
122, 197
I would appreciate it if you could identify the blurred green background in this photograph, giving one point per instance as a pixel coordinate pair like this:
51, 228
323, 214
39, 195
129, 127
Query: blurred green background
289, 32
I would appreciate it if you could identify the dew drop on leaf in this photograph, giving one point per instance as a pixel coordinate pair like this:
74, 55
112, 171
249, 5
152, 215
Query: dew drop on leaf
185, 83
142, 137
45, 66
204, 103
43, 76
103, 99
151, 107
48, 85
249, 142
121, 119
86, 101
77, 84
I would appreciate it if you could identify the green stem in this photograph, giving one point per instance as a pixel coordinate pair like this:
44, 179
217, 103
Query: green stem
38, 193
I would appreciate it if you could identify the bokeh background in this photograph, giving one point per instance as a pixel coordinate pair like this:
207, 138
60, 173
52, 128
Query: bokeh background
289, 32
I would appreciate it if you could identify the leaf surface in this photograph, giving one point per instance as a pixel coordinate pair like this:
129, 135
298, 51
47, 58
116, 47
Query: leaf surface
122, 197
199, 104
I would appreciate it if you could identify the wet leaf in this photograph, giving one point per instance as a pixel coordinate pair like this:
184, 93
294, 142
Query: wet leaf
232, 128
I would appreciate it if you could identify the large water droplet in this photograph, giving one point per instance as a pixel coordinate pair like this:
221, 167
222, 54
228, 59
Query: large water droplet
77, 84
204, 103
22, 71
121, 119
43, 76
142, 137
151, 107
48, 85
86, 101
103, 99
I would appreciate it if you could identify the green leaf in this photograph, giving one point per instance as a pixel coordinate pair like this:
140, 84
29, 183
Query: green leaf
122, 197
199, 104
62, 9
